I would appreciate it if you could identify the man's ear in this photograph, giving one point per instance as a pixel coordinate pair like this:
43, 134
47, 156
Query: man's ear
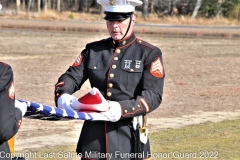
133, 19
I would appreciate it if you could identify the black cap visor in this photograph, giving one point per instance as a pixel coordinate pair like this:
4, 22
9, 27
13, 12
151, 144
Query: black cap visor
117, 16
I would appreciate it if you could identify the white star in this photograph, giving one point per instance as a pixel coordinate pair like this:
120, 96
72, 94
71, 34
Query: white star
75, 115
40, 108
53, 111
64, 113
87, 116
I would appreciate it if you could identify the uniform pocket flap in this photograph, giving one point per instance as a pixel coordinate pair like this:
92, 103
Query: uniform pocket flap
96, 65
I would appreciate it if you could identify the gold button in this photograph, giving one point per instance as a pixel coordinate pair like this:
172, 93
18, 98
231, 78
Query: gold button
124, 42
111, 75
125, 111
133, 109
95, 67
110, 85
131, 70
139, 41
109, 94
118, 51
115, 58
113, 42
138, 106
57, 94
114, 66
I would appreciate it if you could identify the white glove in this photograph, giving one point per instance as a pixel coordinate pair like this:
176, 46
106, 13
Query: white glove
22, 106
65, 100
114, 113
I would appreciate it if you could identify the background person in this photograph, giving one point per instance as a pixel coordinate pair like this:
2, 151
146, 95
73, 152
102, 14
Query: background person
11, 110
129, 74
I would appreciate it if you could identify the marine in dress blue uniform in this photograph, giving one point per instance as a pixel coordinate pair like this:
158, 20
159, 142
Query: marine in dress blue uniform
10, 112
128, 71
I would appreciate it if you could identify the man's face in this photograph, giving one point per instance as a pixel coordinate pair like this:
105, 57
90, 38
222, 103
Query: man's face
117, 29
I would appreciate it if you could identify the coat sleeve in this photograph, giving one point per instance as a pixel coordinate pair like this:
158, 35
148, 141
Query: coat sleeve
152, 83
9, 115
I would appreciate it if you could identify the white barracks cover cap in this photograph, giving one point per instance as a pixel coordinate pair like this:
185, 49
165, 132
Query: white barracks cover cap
119, 5
119, 9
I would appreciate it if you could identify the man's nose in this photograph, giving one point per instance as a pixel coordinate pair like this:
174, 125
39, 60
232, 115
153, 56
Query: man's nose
115, 25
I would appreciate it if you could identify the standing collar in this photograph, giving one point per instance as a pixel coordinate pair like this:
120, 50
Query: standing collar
121, 43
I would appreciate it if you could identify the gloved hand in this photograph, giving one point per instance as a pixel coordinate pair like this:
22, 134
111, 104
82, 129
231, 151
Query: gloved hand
22, 106
114, 113
65, 100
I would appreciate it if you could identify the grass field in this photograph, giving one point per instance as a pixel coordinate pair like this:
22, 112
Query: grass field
204, 141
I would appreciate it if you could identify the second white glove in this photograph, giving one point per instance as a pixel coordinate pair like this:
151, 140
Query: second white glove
65, 100
114, 113
22, 106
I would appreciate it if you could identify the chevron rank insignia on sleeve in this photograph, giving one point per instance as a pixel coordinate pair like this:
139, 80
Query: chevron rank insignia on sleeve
157, 68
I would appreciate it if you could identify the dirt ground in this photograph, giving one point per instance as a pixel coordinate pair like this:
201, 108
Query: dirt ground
201, 84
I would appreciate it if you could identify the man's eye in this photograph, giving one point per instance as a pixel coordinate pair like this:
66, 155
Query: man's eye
112, 21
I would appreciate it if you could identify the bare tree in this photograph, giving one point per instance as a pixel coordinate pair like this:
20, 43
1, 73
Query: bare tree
81, 5
239, 15
39, 6
195, 11
29, 6
44, 5
87, 5
58, 5
219, 8
145, 8
18, 3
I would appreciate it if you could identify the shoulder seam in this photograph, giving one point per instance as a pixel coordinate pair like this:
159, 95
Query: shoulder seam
3, 63
144, 44
97, 41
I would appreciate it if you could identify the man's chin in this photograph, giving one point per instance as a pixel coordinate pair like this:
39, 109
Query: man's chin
116, 37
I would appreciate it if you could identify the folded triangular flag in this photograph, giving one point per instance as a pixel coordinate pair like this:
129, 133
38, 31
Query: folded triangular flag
92, 101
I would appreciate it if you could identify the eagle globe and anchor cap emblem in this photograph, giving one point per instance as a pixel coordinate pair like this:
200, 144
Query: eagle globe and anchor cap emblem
111, 2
